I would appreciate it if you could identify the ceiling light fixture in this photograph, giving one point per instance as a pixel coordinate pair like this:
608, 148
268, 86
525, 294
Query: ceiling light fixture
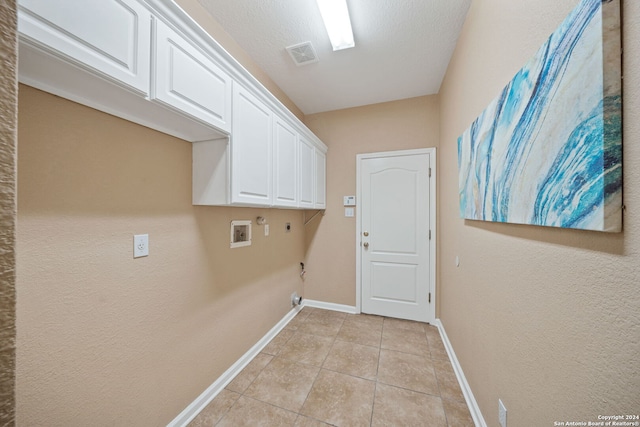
335, 15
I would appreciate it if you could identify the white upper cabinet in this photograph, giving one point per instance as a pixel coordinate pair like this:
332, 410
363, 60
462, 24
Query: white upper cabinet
111, 37
307, 173
251, 150
148, 62
320, 179
189, 81
252, 169
98, 53
285, 164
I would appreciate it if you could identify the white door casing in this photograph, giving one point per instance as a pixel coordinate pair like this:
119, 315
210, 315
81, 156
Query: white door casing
395, 240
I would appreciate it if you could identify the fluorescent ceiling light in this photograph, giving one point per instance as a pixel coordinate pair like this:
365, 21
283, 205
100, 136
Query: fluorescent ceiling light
336, 20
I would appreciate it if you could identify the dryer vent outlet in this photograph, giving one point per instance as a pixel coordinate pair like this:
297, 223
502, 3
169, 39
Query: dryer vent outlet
295, 299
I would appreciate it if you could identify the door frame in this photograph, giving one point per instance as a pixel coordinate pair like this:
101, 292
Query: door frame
432, 220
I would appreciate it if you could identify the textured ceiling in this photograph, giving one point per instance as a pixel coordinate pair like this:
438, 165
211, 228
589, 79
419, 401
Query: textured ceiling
402, 47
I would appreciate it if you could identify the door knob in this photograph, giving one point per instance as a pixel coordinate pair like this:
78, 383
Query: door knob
366, 244
366, 233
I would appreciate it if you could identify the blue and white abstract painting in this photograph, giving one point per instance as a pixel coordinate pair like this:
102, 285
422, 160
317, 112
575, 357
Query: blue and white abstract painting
548, 150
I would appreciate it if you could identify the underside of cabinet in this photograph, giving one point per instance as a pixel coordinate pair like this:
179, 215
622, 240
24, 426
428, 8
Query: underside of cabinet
42, 70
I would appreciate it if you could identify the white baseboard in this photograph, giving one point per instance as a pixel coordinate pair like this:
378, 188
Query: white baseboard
329, 306
478, 419
218, 385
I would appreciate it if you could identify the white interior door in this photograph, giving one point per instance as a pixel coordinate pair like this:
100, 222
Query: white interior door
394, 234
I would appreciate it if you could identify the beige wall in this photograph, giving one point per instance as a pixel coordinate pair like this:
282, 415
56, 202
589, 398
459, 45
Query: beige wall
213, 27
545, 319
8, 143
105, 339
399, 125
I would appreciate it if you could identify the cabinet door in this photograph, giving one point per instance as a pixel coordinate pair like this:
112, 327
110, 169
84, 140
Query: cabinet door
111, 37
285, 166
251, 155
307, 171
321, 183
188, 81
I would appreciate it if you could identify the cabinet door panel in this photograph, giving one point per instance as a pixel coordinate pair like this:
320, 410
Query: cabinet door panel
189, 81
112, 37
321, 184
307, 173
251, 155
285, 177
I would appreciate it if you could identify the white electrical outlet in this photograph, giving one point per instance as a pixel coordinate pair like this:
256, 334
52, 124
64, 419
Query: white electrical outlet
502, 414
140, 245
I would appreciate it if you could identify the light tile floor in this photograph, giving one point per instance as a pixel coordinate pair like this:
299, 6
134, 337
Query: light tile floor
331, 368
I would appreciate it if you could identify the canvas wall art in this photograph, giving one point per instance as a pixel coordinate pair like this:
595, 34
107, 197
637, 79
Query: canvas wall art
548, 150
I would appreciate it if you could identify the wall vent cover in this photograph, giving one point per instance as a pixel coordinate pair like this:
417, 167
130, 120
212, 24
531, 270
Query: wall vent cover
302, 53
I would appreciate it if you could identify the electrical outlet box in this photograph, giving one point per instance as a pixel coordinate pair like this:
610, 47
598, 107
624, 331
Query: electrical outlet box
240, 234
502, 414
140, 245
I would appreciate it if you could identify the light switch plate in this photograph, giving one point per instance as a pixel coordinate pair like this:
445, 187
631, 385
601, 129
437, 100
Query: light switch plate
140, 245
348, 212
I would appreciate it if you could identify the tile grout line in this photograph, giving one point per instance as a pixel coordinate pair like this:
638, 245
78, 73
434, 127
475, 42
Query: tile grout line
228, 409
298, 412
319, 370
373, 404
335, 339
243, 393
375, 389
435, 374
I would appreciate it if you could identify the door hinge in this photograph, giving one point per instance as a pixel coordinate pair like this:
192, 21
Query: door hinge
429, 234
429, 297
429, 172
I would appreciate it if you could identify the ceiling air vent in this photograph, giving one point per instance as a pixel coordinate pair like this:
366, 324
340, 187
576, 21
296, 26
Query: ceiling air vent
303, 53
